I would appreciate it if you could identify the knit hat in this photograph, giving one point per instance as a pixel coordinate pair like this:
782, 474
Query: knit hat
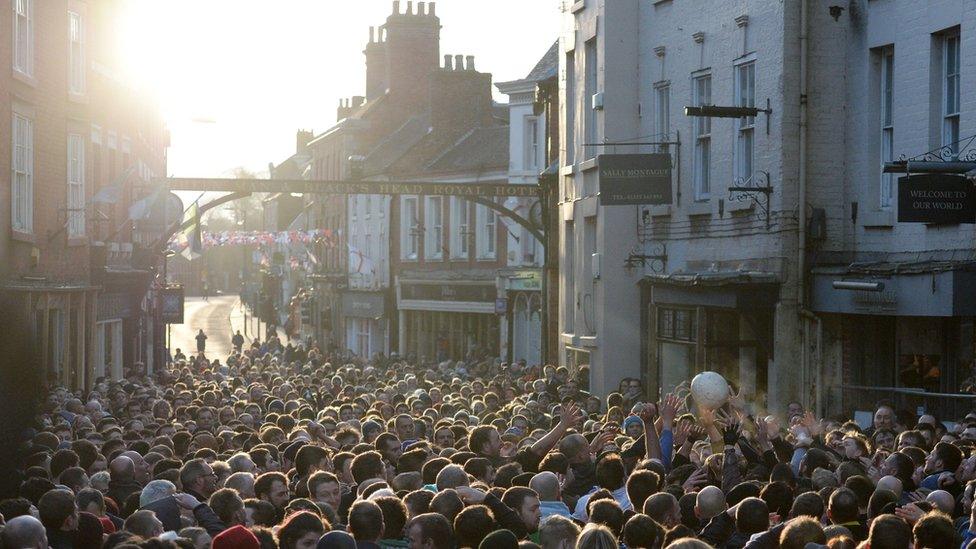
630, 420
336, 539
236, 537
499, 539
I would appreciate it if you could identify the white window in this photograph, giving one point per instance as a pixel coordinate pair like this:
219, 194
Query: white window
569, 129
487, 238
24, 36
745, 134
589, 89
460, 227
887, 127
701, 96
530, 157
76, 185
434, 228
76, 53
22, 193
950, 92
409, 228
662, 114
359, 336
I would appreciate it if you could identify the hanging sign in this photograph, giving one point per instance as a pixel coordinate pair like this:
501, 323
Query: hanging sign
634, 179
936, 198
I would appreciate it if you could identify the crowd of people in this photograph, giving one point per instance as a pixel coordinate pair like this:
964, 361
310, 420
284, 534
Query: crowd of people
284, 447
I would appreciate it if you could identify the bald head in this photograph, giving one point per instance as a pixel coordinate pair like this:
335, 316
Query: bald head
140, 465
709, 502
891, 483
24, 531
451, 476
546, 484
122, 469
942, 500
243, 483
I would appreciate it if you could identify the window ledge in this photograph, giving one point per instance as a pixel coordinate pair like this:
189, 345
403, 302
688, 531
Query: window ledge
578, 6
568, 169
879, 219
587, 165
661, 210
703, 207
75, 241
588, 341
22, 236
25, 78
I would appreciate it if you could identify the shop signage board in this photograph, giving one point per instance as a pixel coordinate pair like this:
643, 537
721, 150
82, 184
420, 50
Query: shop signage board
936, 198
525, 281
363, 304
171, 305
449, 292
634, 179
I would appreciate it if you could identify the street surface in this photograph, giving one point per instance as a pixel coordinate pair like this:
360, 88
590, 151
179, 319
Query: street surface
213, 317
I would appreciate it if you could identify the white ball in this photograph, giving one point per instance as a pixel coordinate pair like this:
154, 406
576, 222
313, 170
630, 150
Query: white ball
710, 390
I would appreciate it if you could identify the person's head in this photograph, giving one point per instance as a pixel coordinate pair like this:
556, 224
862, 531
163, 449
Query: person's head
472, 524
608, 513
447, 503
485, 440
58, 510
884, 417
596, 536
889, 532
430, 531
934, 529
258, 512
546, 485
24, 531
525, 502
642, 531
752, 516
273, 488
610, 472
394, 516
301, 530
310, 459
198, 476
843, 506
155, 491
663, 508
368, 465
891, 483
404, 426
710, 502
242, 482
558, 532
324, 487
144, 524
366, 521
640, 485
801, 531
944, 457
229, 506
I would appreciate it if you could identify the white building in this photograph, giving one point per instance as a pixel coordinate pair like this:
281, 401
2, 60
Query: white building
521, 281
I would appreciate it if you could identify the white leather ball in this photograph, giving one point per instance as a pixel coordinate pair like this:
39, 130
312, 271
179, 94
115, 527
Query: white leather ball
710, 390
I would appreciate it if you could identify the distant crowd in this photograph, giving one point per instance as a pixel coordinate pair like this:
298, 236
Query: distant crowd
284, 446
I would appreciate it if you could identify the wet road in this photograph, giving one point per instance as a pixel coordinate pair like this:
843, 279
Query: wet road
213, 317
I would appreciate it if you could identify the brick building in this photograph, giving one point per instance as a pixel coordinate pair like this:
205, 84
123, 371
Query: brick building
77, 144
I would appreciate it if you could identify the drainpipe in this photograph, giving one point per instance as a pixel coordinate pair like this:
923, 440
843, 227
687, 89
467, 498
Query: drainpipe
805, 314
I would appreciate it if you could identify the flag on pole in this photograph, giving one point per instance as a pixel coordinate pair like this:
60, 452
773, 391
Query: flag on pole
190, 235
112, 193
141, 209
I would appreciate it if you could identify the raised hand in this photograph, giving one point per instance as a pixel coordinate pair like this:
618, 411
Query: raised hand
600, 441
814, 426
731, 433
669, 408
507, 450
772, 427
570, 415
681, 432
470, 496
695, 480
910, 512
762, 435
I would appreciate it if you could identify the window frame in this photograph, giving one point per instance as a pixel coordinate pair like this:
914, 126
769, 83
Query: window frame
76, 185
530, 145
460, 228
76, 59
886, 84
409, 229
23, 66
22, 175
487, 235
950, 117
702, 134
434, 227
745, 127
662, 113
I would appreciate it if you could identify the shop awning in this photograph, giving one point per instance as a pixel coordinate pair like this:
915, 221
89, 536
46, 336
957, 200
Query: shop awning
730, 289
926, 288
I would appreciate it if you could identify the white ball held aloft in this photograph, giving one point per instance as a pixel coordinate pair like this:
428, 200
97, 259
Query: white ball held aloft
710, 390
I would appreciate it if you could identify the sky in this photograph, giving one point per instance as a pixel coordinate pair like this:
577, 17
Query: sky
239, 77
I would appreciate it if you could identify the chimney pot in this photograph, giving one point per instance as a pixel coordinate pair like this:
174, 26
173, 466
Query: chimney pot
459, 62
396, 7
469, 62
372, 30
420, 8
409, 7
447, 61
430, 9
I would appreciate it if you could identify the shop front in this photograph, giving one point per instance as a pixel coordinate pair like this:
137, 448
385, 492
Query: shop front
441, 320
364, 313
721, 322
904, 334
521, 334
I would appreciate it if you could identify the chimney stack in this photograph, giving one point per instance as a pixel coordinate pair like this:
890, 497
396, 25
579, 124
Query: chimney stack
409, 7
412, 51
430, 9
371, 31
420, 8
469, 63
447, 62
459, 99
302, 139
459, 62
